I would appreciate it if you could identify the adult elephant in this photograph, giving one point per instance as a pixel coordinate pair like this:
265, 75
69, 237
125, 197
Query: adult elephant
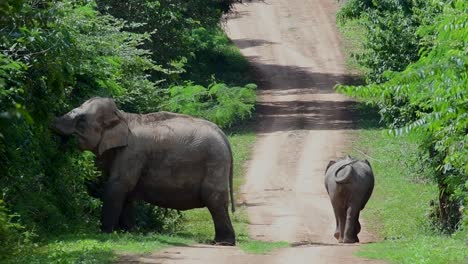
167, 159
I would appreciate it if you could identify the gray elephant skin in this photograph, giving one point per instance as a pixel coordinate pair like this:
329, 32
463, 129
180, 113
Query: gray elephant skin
166, 159
349, 183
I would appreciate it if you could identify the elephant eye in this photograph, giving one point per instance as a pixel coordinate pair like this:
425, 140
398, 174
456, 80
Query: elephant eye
81, 123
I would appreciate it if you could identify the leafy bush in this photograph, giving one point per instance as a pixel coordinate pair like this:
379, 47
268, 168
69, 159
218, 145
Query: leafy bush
391, 42
12, 234
174, 28
155, 219
431, 96
218, 103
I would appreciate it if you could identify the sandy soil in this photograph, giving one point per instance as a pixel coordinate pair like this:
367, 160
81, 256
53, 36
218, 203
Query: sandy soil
294, 48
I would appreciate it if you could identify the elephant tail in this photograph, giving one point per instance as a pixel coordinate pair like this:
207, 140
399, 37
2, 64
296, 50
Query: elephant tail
345, 176
231, 173
231, 186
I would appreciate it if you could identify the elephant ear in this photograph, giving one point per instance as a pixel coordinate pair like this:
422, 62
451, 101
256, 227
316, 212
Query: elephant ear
115, 133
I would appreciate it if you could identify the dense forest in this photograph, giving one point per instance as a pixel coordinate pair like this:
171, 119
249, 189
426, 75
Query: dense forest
414, 58
147, 55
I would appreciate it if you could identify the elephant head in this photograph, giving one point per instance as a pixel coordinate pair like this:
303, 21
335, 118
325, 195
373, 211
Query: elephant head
97, 124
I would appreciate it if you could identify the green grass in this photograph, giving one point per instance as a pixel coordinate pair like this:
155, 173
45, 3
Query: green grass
354, 35
399, 207
261, 247
197, 227
95, 248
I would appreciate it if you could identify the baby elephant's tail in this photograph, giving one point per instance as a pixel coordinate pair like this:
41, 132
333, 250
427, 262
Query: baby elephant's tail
344, 172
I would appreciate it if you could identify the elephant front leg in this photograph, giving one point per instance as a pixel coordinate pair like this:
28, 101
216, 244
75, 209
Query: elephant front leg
127, 217
122, 180
114, 198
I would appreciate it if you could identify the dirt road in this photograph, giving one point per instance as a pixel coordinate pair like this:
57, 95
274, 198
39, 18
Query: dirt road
295, 50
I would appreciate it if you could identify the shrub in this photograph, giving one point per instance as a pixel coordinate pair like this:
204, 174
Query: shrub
172, 26
390, 42
155, 219
218, 103
12, 234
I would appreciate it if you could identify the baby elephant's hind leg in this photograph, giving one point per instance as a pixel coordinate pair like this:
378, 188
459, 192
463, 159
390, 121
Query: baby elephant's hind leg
340, 215
350, 234
337, 229
358, 227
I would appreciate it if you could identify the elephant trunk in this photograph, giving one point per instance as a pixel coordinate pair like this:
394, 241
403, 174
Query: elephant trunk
64, 125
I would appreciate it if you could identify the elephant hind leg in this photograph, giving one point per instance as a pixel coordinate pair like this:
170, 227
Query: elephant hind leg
337, 229
342, 224
214, 194
340, 218
358, 226
350, 234
224, 232
337, 233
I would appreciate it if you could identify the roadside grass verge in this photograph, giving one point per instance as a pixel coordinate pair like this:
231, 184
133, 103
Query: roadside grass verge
354, 35
197, 227
95, 247
399, 207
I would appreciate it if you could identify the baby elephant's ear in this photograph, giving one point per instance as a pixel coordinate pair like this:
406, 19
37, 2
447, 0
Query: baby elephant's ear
366, 161
330, 163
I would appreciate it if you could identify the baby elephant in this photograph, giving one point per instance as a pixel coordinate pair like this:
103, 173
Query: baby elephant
349, 183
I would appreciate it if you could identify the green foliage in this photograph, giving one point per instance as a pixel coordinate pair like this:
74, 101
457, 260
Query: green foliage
431, 96
70, 52
218, 103
183, 34
154, 219
389, 26
12, 234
